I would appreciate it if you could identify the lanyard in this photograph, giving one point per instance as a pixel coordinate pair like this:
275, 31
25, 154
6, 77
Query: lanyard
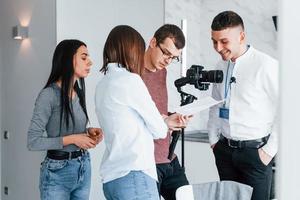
227, 83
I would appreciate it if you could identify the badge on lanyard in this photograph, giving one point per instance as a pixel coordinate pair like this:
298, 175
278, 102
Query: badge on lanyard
224, 113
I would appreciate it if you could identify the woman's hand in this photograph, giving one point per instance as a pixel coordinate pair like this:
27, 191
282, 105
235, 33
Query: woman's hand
81, 140
177, 121
96, 134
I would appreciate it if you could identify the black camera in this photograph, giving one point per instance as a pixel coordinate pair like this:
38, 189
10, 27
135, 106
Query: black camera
199, 78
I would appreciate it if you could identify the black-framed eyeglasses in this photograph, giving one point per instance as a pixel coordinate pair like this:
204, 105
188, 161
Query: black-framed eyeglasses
167, 55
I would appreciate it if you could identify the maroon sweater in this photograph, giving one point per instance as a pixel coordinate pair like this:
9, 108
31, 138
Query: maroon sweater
157, 87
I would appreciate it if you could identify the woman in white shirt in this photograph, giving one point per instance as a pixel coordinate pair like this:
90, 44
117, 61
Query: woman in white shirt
129, 119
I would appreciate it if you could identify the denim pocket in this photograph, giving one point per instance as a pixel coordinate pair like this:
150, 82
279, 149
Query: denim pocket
87, 156
55, 165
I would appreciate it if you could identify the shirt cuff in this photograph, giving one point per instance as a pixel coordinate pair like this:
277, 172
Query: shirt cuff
213, 138
61, 142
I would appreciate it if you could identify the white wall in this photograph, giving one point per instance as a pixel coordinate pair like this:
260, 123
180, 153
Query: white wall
289, 42
24, 70
199, 162
93, 28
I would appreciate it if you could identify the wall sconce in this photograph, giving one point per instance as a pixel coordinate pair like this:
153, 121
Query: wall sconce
275, 21
20, 32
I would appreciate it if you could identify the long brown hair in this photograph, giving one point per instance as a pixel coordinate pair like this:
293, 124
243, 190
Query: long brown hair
125, 46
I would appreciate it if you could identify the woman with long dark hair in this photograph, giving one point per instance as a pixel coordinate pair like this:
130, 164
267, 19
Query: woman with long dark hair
58, 126
129, 118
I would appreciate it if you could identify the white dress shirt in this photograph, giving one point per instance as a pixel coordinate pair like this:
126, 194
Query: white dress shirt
130, 121
253, 101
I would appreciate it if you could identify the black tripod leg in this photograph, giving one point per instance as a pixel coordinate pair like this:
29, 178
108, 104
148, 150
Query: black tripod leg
175, 136
182, 148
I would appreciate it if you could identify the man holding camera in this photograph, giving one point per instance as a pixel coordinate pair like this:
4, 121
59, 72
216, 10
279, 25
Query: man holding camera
165, 47
242, 130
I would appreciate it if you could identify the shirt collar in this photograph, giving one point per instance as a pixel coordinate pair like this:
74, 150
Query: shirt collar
115, 67
246, 55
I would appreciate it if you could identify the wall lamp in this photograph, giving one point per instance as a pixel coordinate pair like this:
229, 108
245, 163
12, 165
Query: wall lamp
20, 32
275, 21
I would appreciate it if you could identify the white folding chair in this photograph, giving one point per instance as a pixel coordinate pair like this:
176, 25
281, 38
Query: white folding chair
185, 193
219, 190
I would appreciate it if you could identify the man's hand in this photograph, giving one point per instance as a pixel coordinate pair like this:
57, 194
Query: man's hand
264, 157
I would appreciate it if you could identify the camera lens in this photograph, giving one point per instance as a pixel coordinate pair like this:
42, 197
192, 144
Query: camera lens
199, 78
212, 76
215, 76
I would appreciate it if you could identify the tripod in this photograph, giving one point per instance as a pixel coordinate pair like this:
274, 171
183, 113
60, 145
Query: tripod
201, 80
185, 99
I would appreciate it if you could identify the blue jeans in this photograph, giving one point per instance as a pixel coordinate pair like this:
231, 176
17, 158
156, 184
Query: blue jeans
66, 179
134, 186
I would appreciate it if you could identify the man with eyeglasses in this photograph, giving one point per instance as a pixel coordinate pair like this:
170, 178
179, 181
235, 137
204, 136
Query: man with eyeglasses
165, 47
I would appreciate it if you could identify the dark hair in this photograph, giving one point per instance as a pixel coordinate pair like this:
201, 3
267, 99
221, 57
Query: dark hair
170, 31
125, 46
226, 19
63, 69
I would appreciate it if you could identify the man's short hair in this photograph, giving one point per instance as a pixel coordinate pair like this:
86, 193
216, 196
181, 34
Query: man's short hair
170, 31
226, 19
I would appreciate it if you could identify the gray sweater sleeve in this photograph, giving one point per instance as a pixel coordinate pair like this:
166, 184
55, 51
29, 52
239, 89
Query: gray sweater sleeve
38, 139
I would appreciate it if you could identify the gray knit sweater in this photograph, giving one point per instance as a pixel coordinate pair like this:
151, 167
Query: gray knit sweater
44, 130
